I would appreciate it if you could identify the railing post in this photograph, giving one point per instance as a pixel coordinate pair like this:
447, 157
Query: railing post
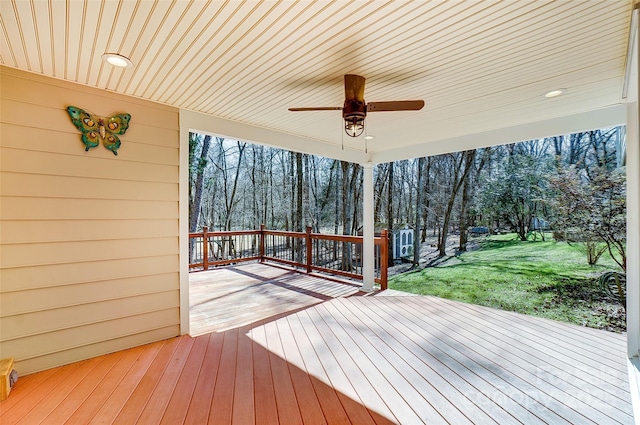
309, 250
262, 243
384, 258
205, 247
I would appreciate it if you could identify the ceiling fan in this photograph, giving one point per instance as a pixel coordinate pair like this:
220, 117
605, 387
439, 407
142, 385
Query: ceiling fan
355, 109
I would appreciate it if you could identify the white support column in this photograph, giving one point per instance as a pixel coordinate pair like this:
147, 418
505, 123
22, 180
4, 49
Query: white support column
633, 192
631, 95
633, 233
633, 238
368, 248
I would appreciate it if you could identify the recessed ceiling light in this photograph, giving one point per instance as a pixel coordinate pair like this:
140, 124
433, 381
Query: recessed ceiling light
369, 137
554, 93
118, 60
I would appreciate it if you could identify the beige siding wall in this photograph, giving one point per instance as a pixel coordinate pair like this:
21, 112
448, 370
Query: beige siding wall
88, 240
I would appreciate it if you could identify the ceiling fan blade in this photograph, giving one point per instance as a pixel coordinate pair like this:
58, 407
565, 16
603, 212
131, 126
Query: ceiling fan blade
354, 87
322, 108
398, 105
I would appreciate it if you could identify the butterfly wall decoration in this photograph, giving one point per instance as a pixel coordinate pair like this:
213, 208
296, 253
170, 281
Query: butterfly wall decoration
95, 129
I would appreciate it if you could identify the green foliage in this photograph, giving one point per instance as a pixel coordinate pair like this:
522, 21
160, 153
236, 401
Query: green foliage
548, 279
514, 191
591, 209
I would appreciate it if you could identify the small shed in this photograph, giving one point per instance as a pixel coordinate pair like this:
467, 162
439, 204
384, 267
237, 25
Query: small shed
402, 237
402, 241
538, 223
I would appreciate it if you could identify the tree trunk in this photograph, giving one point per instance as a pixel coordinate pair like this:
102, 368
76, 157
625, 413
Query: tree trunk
354, 186
379, 188
198, 183
425, 210
419, 206
336, 219
390, 212
466, 158
255, 188
298, 217
464, 213
271, 184
408, 211
292, 206
346, 217
329, 191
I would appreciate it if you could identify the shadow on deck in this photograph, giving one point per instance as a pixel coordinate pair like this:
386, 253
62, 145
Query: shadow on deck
233, 296
428, 359
291, 348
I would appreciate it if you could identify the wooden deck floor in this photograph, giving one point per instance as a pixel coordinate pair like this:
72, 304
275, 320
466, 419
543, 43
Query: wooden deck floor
354, 359
233, 296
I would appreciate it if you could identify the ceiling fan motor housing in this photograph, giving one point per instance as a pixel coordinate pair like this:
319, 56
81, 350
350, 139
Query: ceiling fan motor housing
353, 108
353, 114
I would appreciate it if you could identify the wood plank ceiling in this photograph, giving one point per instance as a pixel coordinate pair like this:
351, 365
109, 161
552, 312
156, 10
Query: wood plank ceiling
479, 65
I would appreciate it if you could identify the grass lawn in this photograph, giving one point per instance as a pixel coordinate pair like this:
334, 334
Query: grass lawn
547, 279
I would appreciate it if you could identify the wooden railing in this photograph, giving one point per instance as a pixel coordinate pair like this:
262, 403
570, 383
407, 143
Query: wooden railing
339, 255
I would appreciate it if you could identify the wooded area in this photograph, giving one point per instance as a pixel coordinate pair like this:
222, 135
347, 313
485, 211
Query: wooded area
570, 184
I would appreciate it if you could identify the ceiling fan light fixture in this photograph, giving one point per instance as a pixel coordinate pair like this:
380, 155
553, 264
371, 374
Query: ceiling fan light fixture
354, 125
554, 93
117, 60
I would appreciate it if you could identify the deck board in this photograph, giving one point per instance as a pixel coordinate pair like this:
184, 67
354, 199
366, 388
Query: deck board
36, 391
178, 405
418, 392
97, 398
244, 394
82, 391
31, 387
419, 372
468, 351
524, 358
575, 408
334, 411
54, 399
328, 371
265, 400
200, 405
558, 346
286, 400
303, 387
379, 388
305, 353
342, 364
222, 401
123, 388
229, 297
135, 404
159, 400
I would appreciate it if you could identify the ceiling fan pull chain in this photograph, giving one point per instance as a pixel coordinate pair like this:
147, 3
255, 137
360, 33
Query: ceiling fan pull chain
366, 141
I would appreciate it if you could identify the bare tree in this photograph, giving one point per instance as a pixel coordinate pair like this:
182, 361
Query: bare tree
461, 169
197, 167
426, 202
390, 210
298, 211
419, 208
467, 196
346, 215
230, 188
